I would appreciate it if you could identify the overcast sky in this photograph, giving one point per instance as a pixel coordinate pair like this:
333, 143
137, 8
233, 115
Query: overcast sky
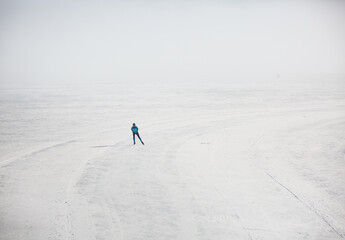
118, 41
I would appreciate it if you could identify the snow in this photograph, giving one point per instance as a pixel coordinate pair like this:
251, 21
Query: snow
219, 162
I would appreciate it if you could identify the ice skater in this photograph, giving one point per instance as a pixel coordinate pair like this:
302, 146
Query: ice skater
135, 131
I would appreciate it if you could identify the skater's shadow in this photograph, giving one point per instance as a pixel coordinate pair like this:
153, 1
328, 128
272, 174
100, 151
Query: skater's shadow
114, 145
103, 146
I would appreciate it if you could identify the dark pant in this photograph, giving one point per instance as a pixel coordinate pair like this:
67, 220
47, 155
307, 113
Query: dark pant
138, 137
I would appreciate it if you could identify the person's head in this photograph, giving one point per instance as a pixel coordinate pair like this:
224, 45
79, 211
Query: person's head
133, 124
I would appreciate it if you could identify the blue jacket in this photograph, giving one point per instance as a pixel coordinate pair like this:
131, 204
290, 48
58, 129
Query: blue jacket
135, 129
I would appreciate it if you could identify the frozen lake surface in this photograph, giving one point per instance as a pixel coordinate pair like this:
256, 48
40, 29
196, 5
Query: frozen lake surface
221, 162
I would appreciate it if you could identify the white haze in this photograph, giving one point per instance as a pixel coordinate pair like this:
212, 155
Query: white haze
46, 43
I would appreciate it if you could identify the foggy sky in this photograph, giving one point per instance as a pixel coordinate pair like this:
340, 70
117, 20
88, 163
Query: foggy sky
117, 41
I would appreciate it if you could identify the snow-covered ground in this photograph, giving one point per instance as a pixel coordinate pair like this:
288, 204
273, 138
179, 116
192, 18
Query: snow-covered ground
220, 162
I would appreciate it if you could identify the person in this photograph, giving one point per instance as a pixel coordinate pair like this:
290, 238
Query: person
135, 131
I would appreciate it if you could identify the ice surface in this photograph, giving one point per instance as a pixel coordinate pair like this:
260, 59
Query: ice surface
220, 162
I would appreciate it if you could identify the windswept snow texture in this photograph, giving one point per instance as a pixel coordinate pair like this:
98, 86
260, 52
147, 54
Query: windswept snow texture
219, 163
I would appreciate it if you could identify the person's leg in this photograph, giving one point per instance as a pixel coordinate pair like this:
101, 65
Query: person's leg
133, 138
140, 138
